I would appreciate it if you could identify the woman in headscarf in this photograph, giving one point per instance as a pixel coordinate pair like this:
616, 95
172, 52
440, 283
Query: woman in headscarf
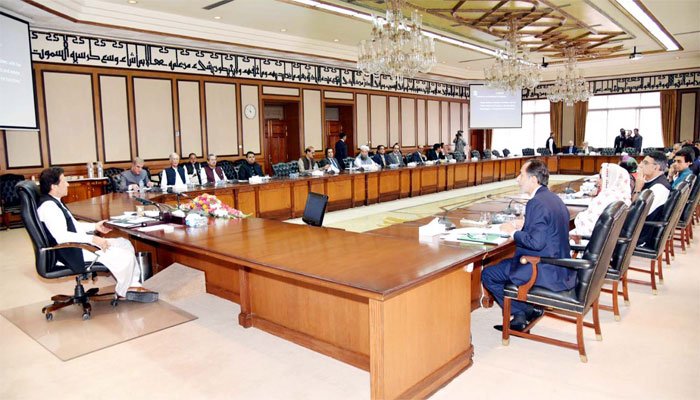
614, 185
630, 164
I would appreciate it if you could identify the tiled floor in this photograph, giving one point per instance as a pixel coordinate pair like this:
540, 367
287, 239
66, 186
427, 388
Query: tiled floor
653, 353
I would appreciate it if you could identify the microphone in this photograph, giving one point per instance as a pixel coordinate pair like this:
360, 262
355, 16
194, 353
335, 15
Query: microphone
510, 210
444, 220
568, 189
159, 206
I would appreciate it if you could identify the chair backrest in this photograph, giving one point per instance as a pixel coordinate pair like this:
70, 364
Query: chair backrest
315, 209
281, 169
459, 156
599, 250
607, 151
648, 150
8, 191
544, 151
228, 168
693, 199
293, 167
632, 228
630, 150
487, 154
45, 260
348, 161
496, 153
670, 214
113, 176
506, 152
475, 153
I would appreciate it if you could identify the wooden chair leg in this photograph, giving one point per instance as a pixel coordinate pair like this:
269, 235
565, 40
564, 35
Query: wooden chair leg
673, 251
625, 292
596, 320
683, 240
660, 269
616, 305
688, 233
653, 275
506, 321
579, 339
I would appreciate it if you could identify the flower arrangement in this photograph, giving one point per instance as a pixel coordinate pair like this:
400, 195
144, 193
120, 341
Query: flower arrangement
209, 205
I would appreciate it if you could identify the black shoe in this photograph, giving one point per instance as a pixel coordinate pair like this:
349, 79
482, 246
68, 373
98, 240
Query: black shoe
518, 323
536, 313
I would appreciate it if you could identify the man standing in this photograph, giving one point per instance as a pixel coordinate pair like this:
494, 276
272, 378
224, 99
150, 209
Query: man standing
249, 168
330, 164
175, 175
550, 145
341, 150
620, 141
544, 233
380, 157
395, 157
134, 178
211, 173
307, 163
194, 169
115, 254
637, 140
653, 168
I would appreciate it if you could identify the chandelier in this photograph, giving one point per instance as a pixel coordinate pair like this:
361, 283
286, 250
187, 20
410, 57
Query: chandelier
570, 87
397, 46
510, 72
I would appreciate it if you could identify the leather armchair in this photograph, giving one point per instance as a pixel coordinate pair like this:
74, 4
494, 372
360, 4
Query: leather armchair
543, 151
487, 154
528, 152
685, 222
663, 230
506, 152
227, 167
571, 305
475, 153
46, 261
113, 179
9, 198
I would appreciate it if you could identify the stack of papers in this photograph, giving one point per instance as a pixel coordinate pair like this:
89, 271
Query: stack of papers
131, 221
492, 236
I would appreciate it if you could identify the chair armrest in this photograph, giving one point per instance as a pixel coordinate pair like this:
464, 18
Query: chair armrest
623, 240
85, 246
572, 263
524, 289
656, 224
578, 247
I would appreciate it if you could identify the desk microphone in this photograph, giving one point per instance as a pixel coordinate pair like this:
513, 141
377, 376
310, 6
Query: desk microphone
510, 210
568, 189
159, 206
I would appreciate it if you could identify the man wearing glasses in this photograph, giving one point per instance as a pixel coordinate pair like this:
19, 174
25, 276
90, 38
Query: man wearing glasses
653, 177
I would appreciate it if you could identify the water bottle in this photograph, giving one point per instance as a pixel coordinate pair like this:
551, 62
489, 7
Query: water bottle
100, 171
90, 171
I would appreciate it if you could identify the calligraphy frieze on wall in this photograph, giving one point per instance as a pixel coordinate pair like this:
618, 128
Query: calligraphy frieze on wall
68, 48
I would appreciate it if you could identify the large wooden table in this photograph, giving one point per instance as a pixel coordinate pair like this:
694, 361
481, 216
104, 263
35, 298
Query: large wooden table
404, 319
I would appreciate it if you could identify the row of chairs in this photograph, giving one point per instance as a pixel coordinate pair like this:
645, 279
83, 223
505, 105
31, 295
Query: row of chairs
606, 259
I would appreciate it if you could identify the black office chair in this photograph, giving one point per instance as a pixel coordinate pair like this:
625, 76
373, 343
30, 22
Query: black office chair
113, 176
506, 152
9, 199
496, 153
459, 156
315, 209
632, 151
281, 169
607, 151
47, 259
685, 222
543, 151
620, 262
487, 154
528, 152
476, 154
663, 229
227, 167
349, 162
590, 270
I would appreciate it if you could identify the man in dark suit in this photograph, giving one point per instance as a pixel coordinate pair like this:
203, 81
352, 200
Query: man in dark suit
619, 141
380, 157
395, 157
330, 164
550, 144
341, 150
434, 153
637, 140
249, 168
194, 169
544, 233
417, 156
570, 149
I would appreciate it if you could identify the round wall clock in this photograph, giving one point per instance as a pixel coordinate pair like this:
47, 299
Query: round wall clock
249, 111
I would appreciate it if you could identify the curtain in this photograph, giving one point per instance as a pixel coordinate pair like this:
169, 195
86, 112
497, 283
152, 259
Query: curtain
669, 109
556, 112
580, 113
488, 136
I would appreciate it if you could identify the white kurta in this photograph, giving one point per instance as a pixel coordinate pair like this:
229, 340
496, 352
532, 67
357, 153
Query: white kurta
119, 258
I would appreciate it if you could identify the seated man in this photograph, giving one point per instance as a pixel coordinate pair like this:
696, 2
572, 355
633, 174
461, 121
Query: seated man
380, 157
544, 233
364, 161
116, 254
307, 163
175, 175
681, 167
653, 168
194, 169
249, 168
434, 153
330, 164
134, 178
395, 157
585, 149
570, 149
211, 173
417, 156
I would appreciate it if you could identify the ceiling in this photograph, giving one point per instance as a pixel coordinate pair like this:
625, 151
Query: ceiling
601, 30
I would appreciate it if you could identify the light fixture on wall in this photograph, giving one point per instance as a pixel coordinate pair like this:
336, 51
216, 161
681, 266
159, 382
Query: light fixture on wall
570, 87
398, 46
512, 71
635, 56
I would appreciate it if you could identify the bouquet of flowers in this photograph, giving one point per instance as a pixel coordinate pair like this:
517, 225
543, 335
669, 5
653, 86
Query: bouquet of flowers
209, 205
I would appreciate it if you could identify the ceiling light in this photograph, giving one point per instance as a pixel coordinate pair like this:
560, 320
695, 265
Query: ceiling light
132, 1
369, 18
650, 24
336, 40
217, 17
283, 30
635, 56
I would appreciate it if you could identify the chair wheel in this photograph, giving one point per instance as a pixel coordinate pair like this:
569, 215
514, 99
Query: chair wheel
86, 316
49, 316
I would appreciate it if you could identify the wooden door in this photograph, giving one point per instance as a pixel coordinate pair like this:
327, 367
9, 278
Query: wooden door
275, 142
333, 129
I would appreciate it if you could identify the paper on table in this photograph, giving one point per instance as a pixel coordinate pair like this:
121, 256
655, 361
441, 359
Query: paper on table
491, 235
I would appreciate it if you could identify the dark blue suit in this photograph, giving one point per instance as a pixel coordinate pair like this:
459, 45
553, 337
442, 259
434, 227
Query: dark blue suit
570, 150
545, 234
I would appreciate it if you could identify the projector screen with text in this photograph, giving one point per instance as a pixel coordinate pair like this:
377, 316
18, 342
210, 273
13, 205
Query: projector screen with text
17, 106
494, 108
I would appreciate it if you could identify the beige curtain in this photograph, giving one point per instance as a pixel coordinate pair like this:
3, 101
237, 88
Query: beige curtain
488, 136
580, 113
556, 112
669, 109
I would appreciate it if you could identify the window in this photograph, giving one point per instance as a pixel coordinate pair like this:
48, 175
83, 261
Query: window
533, 134
607, 114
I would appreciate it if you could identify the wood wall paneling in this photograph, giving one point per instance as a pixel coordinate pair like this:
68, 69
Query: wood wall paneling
222, 123
338, 95
115, 118
70, 115
154, 117
23, 149
313, 119
251, 127
393, 121
281, 91
444, 122
421, 121
362, 122
378, 121
191, 118
433, 122
408, 122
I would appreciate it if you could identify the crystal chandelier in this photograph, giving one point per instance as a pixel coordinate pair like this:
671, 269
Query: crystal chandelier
397, 46
570, 87
510, 72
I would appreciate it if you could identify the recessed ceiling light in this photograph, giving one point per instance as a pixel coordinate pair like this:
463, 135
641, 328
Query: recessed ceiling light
217, 17
132, 2
678, 58
336, 40
649, 24
283, 30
